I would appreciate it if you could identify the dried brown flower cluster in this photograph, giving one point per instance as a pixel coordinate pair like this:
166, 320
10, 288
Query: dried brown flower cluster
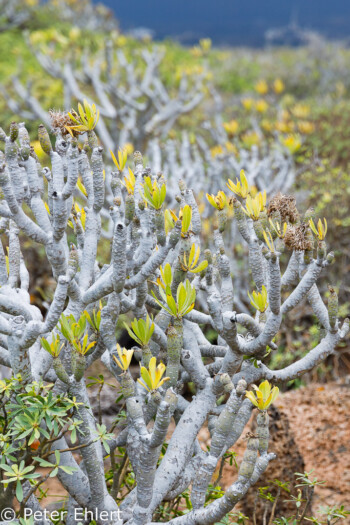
59, 120
286, 206
296, 238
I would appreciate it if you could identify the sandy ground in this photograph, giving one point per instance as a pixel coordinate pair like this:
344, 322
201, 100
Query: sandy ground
310, 430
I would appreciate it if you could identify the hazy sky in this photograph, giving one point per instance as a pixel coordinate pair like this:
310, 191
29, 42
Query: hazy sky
232, 21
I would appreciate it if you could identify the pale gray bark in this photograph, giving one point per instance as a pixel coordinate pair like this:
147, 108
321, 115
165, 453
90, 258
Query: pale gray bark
125, 284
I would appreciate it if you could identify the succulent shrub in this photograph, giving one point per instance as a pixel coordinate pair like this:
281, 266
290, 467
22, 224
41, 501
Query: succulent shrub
160, 274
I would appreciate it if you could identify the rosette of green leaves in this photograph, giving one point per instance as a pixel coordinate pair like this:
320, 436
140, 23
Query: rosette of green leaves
141, 331
185, 299
153, 194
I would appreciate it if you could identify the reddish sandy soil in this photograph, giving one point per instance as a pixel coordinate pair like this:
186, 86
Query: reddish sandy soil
319, 417
309, 430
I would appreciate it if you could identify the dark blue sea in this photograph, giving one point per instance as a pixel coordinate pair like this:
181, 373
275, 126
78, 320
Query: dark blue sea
233, 22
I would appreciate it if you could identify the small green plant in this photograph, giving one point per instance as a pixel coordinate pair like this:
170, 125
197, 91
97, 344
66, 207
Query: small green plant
17, 474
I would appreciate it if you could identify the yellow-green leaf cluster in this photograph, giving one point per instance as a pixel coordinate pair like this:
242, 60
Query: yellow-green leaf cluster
141, 331
219, 201
74, 332
167, 278
153, 194
169, 220
125, 357
129, 182
54, 348
152, 377
94, 320
254, 206
321, 230
190, 264
263, 396
83, 346
280, 232
80, 213
81, 187
269, 241
185, 299
85, 119
241, 187
186, 217
122, 158
259, 299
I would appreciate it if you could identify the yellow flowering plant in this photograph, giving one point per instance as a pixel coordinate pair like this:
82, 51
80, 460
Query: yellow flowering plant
152, 377
241, 187
269, 241
254, 206
321, 230
125, 357
259, 299
205, 44
264, 396
261, 87
278, 86
301, 111
120, 162
231, 127
216, 151
129, 182
219, 201
261, 106
250, 139
247, 103
292, 143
